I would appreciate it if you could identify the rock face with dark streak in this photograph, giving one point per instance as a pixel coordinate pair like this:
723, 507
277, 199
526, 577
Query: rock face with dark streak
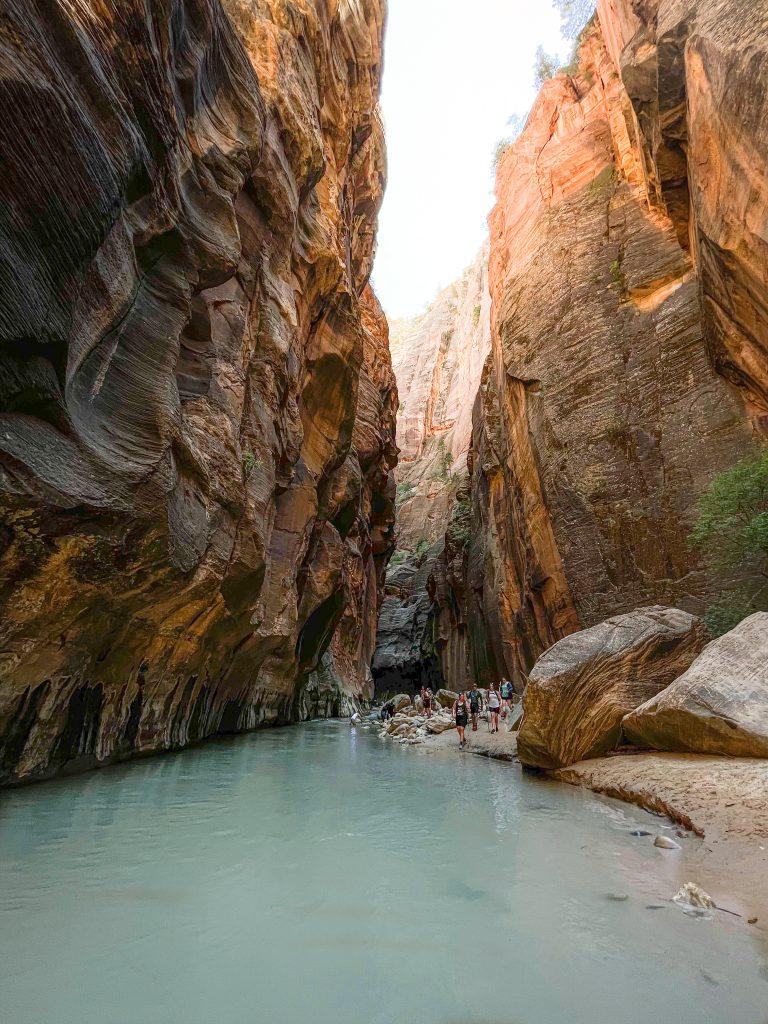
196, 400
626, 306
696, 73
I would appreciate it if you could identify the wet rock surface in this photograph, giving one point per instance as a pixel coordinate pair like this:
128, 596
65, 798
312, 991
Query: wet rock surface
196, 397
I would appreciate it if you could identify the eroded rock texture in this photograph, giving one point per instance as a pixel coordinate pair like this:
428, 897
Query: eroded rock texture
581, 689
628, 333
719, 706
437, 359
197, 403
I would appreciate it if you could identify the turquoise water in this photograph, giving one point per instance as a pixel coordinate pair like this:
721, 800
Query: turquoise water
318, 874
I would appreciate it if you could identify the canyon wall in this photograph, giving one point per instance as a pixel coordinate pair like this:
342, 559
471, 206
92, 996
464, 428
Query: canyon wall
628, 364
196, 398
437, 358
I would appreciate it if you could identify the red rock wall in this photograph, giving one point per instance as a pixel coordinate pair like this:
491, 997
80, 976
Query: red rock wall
696, 72
437, 359
607, 404
196, 399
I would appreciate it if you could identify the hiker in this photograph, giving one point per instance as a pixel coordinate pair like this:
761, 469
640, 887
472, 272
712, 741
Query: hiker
475, 706
387, 710
494, 707
426, 700
461, 715
507, 693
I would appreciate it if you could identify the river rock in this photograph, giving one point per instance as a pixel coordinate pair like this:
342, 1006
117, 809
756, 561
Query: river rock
437, 725
719, 706
581, 689
665, 843
400, 701
446, 698
692, 895
403, 729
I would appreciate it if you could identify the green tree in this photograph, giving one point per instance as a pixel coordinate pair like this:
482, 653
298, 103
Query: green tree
574, 15
731, 530
545, 66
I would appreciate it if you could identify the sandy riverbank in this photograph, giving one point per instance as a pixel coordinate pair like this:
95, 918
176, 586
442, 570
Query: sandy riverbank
723, 800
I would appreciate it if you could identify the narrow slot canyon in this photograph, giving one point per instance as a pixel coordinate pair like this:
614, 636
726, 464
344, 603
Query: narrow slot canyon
289, 526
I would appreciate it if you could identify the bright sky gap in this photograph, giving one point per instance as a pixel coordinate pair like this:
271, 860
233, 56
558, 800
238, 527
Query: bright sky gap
451, 84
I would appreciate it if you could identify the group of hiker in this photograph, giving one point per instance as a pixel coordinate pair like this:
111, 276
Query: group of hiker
498, 701
470, 703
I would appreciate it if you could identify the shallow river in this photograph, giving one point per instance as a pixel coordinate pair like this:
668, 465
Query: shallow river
318, 875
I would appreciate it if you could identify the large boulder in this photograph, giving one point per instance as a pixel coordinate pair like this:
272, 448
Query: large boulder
719, 706
446, 698
399, 702
581, 689
437, 725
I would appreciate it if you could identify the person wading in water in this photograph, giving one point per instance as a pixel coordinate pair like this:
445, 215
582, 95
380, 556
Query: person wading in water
461, 715
475, 706
494, 707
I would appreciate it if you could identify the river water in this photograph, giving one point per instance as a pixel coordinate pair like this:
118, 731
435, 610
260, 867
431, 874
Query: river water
317, 875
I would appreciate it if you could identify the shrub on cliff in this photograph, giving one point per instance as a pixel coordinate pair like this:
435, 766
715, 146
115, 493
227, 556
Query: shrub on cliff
731, 530
515, 126
574, 15
545, 66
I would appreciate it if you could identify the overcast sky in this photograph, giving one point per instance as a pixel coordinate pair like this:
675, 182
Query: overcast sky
454, 72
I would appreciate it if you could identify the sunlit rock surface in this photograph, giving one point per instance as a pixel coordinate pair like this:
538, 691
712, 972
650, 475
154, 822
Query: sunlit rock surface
197, 405
696, 72
628, 335
437, 359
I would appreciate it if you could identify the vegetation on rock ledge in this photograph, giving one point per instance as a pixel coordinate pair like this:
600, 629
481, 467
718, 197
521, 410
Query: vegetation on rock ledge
732, 532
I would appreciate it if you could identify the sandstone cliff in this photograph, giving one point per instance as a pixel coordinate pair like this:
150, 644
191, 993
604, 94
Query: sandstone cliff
437, 359
196, 397
627, 273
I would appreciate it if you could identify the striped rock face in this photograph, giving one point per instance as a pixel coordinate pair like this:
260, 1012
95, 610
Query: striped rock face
629, 333
196, 397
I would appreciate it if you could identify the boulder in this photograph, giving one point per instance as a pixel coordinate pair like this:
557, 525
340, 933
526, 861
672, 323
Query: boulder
445, 698
400, 701
719, 705
581, 689
403, 729
437, 725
